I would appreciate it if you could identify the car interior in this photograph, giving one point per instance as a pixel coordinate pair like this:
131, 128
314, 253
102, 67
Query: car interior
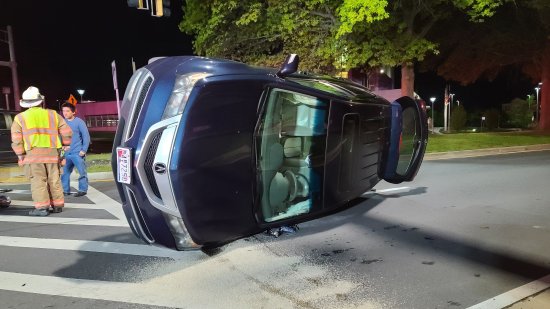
291, 154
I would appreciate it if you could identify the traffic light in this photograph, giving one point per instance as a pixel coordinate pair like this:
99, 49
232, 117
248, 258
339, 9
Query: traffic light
160, 8
140, 4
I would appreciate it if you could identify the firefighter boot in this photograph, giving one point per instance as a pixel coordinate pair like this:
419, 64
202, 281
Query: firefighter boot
39, 212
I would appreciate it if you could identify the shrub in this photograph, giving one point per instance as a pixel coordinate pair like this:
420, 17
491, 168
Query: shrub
458, 118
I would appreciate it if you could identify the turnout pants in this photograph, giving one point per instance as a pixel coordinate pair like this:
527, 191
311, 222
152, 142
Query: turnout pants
45, 184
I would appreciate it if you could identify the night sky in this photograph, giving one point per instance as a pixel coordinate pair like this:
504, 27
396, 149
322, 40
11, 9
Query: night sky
65, 45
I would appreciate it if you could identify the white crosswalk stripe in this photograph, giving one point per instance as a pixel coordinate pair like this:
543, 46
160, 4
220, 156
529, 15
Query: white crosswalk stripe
89, 246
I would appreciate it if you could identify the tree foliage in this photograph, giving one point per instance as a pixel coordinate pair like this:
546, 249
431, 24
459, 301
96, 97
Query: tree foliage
328, 34
518, 35
518, 114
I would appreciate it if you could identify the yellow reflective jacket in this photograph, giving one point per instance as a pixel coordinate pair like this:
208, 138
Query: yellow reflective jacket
39, 128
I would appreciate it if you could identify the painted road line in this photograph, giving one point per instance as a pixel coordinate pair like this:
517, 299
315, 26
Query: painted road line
57, 220
28, 204
515, 295
18, 192
386, 190
90, 246
106, 203
192, 282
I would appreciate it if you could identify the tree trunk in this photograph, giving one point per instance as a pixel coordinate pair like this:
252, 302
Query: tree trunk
544, 123
407, 80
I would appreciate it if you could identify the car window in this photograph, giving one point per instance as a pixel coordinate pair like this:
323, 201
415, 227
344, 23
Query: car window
409, 138
324, 86
291, 143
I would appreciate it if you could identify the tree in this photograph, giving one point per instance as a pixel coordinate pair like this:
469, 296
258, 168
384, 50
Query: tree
518, 114
458, 118
517, 35
492, 118
264, 32
399, 37
329, 35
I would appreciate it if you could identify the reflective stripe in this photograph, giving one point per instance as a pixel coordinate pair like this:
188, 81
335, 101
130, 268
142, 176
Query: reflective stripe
41, 204
40, 159
39, 131
60, 202
43, 152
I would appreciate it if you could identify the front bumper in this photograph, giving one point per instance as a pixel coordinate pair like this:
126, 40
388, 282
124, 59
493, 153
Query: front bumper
151, 185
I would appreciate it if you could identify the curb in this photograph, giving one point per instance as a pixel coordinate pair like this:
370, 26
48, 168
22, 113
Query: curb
484, 152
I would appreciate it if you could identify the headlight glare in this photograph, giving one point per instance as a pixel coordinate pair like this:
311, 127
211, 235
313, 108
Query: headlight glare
183, 86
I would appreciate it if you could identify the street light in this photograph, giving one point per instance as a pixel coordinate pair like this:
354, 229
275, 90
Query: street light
433, 120
537, 108
81, 92
451, 95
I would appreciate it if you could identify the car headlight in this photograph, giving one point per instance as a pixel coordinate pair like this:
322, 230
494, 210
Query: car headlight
180, 93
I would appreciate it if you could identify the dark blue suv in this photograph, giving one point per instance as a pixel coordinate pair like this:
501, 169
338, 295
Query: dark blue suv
208, 151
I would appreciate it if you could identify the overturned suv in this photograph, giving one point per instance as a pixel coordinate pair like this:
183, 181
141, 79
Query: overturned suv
208, 151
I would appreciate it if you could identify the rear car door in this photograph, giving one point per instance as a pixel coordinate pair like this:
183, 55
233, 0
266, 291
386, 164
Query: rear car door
408, 140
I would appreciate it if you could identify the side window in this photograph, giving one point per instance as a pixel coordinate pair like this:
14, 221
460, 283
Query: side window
409, 138
291, 145
3, 124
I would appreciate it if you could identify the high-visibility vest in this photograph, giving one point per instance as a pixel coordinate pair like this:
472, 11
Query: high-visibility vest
40, 128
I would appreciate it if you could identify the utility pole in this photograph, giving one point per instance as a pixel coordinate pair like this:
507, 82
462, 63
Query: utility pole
13, 65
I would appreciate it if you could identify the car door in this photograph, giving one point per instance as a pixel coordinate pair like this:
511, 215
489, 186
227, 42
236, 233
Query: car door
408, 140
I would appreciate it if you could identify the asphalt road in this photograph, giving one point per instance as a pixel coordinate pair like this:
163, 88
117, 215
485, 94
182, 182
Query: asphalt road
465, 232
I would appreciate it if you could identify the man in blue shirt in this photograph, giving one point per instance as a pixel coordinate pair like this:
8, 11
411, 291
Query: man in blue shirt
75, 154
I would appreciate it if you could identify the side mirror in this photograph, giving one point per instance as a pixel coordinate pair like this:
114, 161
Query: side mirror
289, 66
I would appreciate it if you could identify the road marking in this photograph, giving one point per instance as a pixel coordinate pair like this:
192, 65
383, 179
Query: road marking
386, 190
184, 283
515, 295
58, 220
19, 192
90, 246
107, 203
99, 198
28, 204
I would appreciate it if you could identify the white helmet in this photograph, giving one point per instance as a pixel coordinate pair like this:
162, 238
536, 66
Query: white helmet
31, 97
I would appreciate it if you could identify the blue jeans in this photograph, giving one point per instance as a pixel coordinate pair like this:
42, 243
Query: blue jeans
73, 160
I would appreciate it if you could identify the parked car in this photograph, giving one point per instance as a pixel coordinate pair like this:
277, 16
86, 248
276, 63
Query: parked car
6, 153
208, 151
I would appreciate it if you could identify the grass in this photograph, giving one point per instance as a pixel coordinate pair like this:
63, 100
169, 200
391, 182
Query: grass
468, 141
98, 162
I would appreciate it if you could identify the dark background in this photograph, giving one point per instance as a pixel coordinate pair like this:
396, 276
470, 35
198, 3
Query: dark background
65, 45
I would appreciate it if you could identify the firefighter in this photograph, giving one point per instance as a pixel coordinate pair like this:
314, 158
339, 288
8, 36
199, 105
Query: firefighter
35, 135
